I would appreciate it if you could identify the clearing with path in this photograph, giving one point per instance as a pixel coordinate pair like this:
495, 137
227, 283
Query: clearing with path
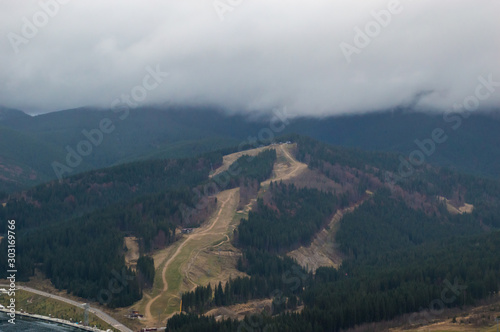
196, 258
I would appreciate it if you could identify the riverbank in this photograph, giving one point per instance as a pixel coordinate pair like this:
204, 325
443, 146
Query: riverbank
54, 320
56, 305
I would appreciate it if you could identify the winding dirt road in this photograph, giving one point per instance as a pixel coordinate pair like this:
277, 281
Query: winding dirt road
222, 220
189, 237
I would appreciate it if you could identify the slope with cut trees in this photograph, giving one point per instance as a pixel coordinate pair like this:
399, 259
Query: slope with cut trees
73, 230
402, 247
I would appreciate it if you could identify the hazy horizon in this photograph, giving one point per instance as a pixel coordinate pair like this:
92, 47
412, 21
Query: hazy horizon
319, 58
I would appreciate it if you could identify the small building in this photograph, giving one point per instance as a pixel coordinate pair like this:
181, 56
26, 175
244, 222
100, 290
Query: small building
186, 230
134, 314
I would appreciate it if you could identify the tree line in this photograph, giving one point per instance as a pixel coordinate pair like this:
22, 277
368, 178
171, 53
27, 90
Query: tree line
73, 230
397, 258
289, 220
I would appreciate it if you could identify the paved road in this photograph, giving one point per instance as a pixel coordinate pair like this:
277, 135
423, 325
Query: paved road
105, 317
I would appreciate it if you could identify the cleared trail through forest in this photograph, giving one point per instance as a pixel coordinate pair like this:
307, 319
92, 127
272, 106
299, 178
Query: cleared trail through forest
216, 231
189, 237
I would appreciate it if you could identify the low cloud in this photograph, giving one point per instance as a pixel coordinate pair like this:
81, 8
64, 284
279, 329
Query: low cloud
249, 55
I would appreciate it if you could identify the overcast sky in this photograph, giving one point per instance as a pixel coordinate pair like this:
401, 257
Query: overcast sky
249, 54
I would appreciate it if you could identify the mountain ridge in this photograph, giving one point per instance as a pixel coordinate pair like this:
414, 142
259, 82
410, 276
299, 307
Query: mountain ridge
153, 133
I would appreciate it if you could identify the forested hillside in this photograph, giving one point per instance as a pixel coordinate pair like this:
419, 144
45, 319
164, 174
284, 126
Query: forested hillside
136, 134
30, 145
288, 220
395, 246
295, 216
402, 248
72, 230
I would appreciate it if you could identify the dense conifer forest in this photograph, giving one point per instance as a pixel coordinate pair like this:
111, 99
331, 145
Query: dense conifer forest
72, 230
402, 249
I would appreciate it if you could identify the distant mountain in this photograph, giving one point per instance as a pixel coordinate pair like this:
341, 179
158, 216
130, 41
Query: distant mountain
34, 143
144, 134
469, 144
24, 160
10, 113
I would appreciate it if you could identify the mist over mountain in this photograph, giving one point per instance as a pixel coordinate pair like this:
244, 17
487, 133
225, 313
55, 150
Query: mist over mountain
233, 165
31, 145
319, 58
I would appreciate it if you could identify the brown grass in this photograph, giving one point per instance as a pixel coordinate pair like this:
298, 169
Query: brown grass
41, 305
132, 253
478, 319
239, 311
453, 209
314, 179
207, 255
227, 160
40, 282
322, 251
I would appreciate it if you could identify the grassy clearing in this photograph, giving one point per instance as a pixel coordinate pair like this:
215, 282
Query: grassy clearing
198, 261
476, 319
132, 251
190, 254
